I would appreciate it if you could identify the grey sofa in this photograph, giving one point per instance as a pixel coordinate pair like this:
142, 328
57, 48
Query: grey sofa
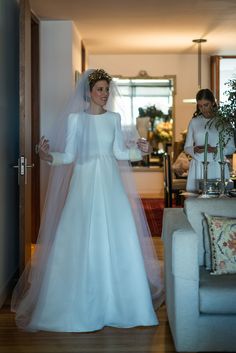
201, 308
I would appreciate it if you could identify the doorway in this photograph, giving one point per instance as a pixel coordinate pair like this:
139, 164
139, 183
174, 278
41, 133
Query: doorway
28, 164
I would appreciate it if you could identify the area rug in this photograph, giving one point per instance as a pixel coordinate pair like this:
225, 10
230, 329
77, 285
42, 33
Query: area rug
154, 212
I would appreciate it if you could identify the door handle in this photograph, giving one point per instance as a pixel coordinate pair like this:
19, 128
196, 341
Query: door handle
22, 168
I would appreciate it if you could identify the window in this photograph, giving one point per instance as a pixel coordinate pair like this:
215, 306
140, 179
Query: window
227, 72
151, 98
141, 93
223, 68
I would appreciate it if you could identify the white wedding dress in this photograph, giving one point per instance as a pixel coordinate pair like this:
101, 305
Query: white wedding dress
95, 275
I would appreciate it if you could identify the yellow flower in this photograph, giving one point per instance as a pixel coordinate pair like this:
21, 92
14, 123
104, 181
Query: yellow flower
163, 131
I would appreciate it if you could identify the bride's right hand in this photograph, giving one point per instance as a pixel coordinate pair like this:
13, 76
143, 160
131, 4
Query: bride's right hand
43, 148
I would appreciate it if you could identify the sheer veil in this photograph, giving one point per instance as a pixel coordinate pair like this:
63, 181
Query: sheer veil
26, 292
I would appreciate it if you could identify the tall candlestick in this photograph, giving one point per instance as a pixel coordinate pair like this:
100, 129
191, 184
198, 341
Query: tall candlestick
221, 147
205, 147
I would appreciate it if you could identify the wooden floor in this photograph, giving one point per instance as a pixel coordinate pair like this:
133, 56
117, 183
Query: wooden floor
109, 340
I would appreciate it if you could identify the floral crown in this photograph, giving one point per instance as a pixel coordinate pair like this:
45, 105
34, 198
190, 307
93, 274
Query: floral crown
98, 75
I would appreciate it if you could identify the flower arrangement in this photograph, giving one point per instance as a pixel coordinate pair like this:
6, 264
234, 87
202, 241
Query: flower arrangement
152, 112
160, 128
164, 131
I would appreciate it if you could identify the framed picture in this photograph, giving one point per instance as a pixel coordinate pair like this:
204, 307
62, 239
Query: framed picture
83, 57
77, 76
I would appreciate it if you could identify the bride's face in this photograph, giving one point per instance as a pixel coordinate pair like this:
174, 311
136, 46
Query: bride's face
100, 93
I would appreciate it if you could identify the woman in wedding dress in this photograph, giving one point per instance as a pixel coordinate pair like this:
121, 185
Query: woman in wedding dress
94, 263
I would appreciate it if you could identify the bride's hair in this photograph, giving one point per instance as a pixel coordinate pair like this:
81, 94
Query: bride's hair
98, 75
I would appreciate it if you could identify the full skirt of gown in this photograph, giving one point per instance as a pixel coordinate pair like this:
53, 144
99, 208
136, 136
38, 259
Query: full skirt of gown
95, 274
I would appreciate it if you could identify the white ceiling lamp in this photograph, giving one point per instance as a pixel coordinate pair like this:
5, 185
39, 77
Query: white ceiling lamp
199, 42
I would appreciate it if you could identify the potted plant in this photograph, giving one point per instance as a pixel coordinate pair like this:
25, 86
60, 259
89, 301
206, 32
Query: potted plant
226, 115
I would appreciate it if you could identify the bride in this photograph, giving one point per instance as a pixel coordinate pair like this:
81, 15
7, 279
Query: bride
94, 263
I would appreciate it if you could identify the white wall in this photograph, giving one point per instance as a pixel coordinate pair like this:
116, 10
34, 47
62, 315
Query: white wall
183, 66
60, 56
60, 48
76, 50
55, 70
149, 183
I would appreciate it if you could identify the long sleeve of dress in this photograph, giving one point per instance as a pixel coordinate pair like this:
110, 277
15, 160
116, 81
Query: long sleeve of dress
190, 143
120, 151
68, 155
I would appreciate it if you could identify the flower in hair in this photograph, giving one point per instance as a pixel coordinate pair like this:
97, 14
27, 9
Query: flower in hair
98, 75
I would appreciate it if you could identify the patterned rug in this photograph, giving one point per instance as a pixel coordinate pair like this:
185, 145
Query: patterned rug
154, 212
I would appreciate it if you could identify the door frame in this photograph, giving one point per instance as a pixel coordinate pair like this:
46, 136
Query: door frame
35, 121
25, 163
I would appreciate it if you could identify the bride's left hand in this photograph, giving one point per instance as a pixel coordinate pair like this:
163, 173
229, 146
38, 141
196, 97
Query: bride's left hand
144, 146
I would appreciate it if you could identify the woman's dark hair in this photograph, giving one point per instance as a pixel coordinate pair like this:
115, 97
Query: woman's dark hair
206, 94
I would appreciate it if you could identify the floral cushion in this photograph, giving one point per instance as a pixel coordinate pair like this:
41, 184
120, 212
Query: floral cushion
222, 234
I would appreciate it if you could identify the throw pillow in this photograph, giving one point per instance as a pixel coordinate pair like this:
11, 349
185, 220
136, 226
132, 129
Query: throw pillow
222, 231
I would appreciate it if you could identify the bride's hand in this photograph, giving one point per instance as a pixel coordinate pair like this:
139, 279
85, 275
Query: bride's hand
43, 149
144, 146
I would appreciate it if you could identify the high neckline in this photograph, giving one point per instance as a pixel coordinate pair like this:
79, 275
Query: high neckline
99, 115
201, 115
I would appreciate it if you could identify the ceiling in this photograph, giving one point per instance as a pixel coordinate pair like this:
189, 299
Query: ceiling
147, 26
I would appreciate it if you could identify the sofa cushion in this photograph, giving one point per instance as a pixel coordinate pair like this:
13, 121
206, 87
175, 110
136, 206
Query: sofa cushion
222, 232
195, 208
217, 293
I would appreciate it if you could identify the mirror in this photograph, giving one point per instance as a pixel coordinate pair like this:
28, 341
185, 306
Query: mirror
149, 103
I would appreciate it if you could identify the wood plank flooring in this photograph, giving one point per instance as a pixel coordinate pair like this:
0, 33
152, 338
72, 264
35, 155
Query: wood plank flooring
109, 340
